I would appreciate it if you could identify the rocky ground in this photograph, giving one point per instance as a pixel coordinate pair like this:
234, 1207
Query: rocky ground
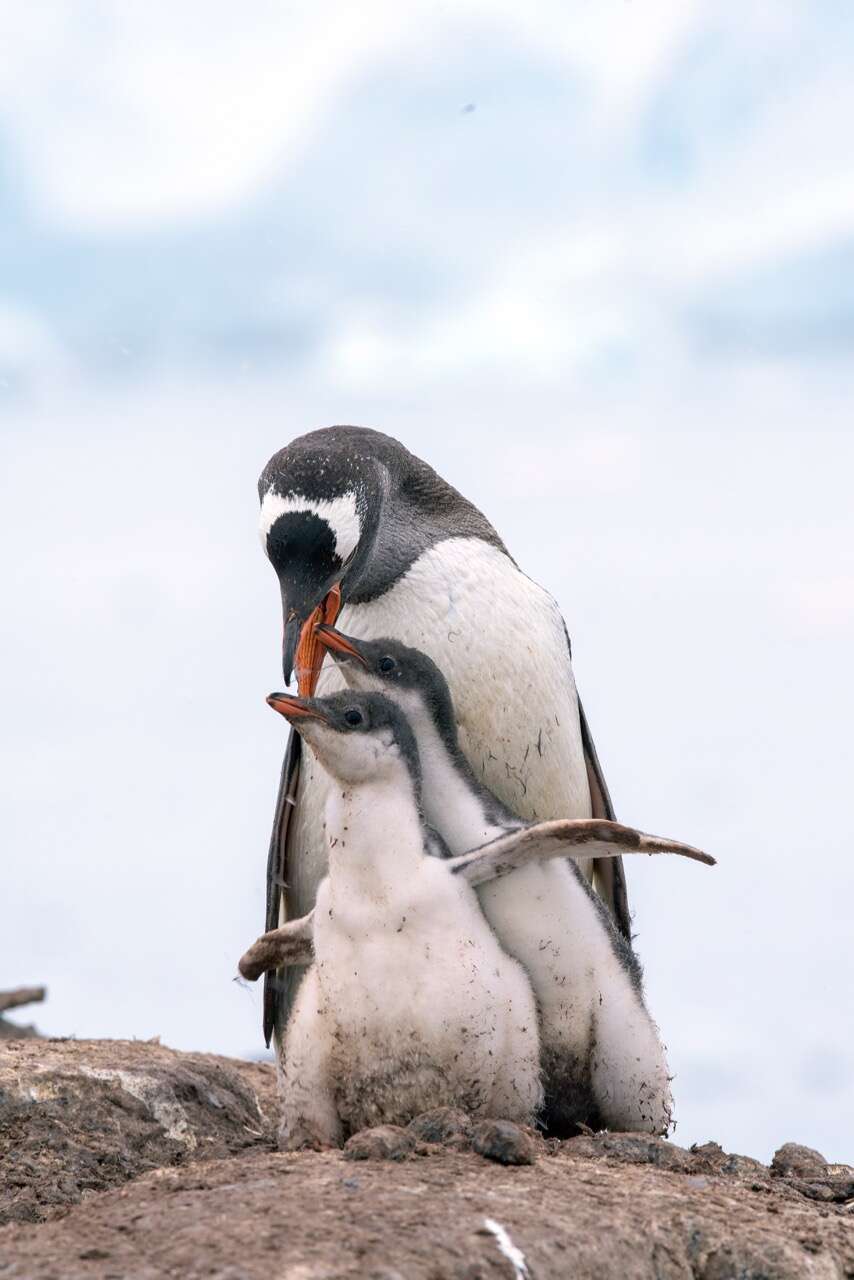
127, 1159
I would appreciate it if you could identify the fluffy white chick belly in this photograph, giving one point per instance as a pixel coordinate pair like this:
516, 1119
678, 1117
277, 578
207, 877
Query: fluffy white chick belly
498, 639
542, 917
603, 1059
422, 1007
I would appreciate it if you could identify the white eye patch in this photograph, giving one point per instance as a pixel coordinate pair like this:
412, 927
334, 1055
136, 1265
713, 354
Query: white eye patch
339, 513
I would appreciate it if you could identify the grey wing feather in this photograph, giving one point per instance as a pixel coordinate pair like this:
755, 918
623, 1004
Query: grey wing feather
577, 838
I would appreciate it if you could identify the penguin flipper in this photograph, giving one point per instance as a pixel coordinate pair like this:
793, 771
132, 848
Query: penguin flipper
277, 869
292, 943
609, 873
576, 838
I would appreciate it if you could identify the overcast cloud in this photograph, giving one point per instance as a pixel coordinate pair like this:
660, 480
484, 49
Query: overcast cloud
596, 264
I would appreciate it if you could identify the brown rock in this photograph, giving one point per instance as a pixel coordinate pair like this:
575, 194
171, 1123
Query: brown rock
80, 1116
443, 1125
808, 1173
634, 1148
385, 1142
798, 1162
711, 1158
503, 1141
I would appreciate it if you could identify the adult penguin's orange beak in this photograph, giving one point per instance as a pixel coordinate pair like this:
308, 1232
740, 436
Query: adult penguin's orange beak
309, 655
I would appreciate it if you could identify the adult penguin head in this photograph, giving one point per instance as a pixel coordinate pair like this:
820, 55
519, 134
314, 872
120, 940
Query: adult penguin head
345, 511
320, 506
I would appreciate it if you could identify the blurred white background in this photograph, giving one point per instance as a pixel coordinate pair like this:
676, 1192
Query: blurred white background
596, 264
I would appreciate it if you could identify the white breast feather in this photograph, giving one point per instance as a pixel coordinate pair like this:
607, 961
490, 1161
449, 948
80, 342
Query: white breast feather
499, 641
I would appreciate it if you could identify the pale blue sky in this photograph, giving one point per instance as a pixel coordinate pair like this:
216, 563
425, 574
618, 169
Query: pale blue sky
596, 264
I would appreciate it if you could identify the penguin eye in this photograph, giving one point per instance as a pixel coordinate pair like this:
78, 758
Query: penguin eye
353, 716
387, 664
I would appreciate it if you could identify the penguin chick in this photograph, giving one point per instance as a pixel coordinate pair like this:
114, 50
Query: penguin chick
410, 1003
603, 1060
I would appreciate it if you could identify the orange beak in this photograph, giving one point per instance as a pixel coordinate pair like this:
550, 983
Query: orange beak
310, 652
293, 708
329, 638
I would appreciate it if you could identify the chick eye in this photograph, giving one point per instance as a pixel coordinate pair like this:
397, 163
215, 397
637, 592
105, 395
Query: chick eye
387, 664
353, 716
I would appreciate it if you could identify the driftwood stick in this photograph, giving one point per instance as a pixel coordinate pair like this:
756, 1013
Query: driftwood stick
21, 995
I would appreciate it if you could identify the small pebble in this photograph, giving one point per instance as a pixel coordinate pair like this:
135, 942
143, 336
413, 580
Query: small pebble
798, 1162
503, 1141
386, 1142
444, 1126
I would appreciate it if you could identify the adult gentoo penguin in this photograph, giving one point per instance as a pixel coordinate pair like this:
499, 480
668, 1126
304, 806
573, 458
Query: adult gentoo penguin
410, 1004
360, 530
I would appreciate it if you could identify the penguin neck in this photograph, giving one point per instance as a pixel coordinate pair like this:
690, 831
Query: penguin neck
374, 834
463, 812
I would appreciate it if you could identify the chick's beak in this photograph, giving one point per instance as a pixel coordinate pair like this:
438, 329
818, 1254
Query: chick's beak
337, 642
293, 708
309, 655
